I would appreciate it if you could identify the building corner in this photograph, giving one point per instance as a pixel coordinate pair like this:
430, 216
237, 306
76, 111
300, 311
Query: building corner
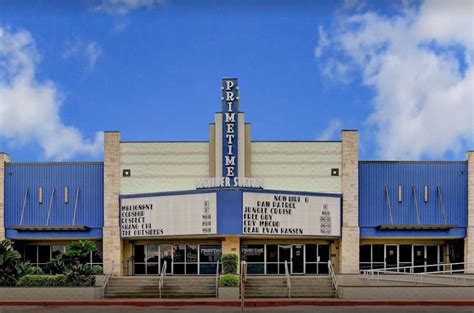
469, 240
4, 158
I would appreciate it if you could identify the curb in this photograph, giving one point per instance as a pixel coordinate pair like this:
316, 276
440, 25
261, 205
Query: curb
235, 303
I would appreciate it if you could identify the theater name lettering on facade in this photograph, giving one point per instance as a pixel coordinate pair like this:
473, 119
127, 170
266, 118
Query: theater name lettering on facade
230, 111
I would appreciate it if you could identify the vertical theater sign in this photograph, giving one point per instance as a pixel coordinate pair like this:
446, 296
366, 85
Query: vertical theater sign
230, 110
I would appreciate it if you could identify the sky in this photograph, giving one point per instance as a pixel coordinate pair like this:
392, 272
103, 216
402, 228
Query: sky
401, 72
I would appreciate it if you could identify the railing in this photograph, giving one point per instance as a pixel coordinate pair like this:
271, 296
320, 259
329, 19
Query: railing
332, 273
440, 277
217, 279
162, 277
243, 279
105, 282
288, 281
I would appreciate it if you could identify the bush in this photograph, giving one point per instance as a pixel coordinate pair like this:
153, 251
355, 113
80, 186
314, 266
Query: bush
97, 270
25, 268
60, 280
58, 264
229, 280
42, 281
229, 263
79, 251
74, 279
9, 260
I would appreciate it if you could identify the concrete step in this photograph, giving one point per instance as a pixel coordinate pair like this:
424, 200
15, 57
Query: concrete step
174, 287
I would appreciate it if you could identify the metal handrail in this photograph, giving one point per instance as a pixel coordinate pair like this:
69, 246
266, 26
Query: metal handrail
162, 277
332, 273
387, 274
392, 269
105, 282
288, 281
217, 279
243, 279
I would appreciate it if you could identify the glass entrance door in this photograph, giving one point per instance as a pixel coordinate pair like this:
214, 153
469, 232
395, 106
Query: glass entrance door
297, 258
391, 256
431, 258
418, 258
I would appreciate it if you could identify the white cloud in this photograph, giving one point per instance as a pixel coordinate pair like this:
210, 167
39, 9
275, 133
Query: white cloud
420, 65
122, 7
330, 132
29, 108
323, 42
90, 51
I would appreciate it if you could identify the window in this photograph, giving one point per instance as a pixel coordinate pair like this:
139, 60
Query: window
255, 257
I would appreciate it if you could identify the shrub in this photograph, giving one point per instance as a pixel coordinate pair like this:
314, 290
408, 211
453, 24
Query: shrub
42, 281
59, 280
74, 279
97, 270
25, 268
79, 251
9, 260
58, 264
229, 280
229, 263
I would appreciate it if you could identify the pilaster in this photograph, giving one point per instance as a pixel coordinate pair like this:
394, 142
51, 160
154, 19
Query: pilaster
349, 248
4, 158
469, 240
112, 242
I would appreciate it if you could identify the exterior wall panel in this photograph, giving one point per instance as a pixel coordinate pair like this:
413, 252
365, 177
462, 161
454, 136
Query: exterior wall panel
302, 166
163, 166
451, 177
88, 177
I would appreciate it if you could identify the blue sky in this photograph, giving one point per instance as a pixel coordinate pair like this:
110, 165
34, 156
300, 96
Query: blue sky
152, 69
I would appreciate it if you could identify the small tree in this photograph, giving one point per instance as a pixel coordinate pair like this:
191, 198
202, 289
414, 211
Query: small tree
9, 260
79, 251
229, 263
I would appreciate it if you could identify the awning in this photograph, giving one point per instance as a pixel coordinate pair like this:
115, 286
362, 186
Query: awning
417, 226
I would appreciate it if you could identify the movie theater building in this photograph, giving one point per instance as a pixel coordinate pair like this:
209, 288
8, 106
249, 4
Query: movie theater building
269, 202
266, 201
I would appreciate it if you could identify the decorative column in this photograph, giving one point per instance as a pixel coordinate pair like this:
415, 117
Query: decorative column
349, 247
112, 243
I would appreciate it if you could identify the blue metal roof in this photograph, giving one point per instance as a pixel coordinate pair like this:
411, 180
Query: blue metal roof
84, 178
449, 177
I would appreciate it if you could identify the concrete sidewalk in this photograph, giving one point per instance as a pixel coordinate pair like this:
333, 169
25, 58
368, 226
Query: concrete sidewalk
236, 303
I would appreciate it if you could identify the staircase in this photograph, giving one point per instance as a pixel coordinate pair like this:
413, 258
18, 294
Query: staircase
174, 287
301, 287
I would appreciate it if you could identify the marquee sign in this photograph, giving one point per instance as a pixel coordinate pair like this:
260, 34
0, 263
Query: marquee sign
193, 214
290, 215
230, 134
